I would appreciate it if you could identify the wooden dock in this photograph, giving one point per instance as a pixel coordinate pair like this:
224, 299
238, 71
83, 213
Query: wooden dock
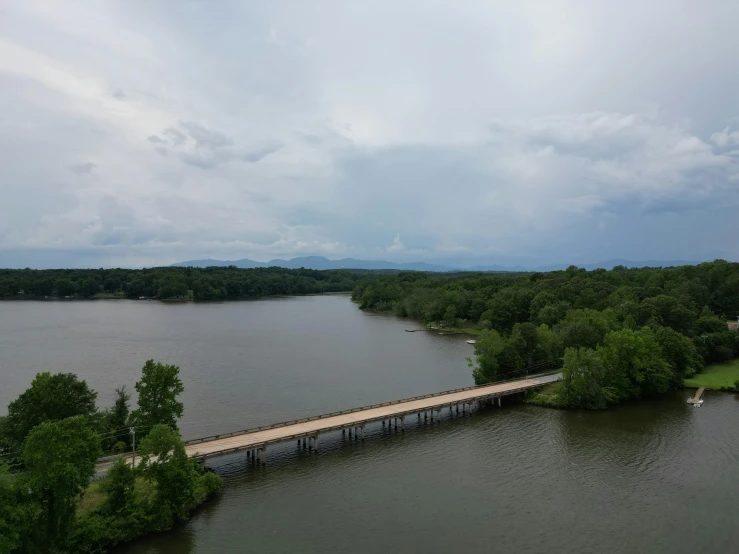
698, 398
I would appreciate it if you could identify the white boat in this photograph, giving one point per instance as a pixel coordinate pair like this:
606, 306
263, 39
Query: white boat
471, 341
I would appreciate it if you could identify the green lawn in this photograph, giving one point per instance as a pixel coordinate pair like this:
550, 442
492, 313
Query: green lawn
715, 376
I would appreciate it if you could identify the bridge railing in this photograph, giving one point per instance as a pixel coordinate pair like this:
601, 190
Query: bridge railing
522, 374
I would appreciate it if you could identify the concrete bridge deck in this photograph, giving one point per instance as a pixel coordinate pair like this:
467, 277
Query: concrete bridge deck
255, 441
355, 419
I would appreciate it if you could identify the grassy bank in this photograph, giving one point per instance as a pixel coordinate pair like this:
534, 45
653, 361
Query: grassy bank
549, 395
716, 376
109, 513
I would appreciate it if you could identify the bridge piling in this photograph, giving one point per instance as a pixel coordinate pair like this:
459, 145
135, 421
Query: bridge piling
255, 440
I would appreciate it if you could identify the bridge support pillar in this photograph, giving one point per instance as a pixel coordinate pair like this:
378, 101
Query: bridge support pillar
402, 424
264, 455
315, 442
362, 429
500, 401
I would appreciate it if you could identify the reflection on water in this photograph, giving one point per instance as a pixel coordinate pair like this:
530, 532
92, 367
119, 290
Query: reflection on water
647, 477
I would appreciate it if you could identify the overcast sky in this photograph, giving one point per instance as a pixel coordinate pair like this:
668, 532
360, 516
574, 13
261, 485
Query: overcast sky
141, 133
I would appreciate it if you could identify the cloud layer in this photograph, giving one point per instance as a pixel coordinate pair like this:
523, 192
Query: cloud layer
468, 132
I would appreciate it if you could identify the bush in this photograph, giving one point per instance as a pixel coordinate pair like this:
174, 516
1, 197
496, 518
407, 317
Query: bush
96, 532
207, 485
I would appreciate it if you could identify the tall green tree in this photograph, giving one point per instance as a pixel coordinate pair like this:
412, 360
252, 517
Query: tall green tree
634, 364
585, 328
165, 462
488, 348
119, 485
158, 389
117, 420
50, 398
680, 352
59, 458
583, 380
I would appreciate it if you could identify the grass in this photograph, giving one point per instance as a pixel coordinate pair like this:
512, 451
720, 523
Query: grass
715, 376
549, 395
92, 498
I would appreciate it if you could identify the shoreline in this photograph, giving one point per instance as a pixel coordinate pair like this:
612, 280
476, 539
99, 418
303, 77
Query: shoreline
167, 300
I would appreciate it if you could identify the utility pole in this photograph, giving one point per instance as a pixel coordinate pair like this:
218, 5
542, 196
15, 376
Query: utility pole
133, 432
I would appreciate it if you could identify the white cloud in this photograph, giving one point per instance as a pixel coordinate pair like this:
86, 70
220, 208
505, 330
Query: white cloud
725, 137
477, 131
397, 245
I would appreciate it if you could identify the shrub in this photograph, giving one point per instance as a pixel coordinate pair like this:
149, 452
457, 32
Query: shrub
207, 485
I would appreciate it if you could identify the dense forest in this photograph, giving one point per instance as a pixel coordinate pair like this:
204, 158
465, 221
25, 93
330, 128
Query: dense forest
211, 283
620, 334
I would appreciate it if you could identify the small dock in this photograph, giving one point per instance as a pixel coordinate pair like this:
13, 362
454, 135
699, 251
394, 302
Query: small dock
698, 398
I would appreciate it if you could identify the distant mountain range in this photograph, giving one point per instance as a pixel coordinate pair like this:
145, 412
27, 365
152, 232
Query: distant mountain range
319, 262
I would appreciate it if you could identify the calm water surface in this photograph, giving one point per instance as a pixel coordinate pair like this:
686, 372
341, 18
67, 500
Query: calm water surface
647, 477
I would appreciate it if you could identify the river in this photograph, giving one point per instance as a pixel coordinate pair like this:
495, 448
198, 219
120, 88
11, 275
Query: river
656, 476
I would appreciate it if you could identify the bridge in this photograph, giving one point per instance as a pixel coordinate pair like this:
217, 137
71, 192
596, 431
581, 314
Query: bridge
308, 430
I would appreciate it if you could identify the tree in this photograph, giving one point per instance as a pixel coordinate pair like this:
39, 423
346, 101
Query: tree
119, 486
634, 364
680, 352
583, 380
548, 345
488, 347
585, 328
64, 287
117, 418
165, 462
450, 315
50, 398
526, 337
158, 389
59, 457
15, 515
708, 323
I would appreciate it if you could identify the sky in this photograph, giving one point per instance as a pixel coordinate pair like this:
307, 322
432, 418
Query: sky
140, 133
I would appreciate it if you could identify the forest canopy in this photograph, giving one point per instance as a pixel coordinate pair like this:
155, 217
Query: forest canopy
619, 334
210, 283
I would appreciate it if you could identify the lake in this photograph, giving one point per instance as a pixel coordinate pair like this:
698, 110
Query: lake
656, 476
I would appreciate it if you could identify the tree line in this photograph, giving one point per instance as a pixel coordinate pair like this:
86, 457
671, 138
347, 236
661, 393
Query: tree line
210, 283
620, 334
50, 442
